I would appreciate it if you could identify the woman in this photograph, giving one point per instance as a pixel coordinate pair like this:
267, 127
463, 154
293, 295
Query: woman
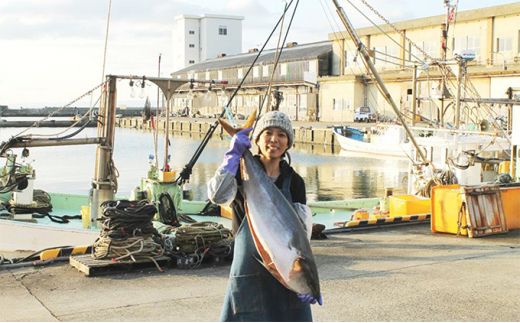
253, 293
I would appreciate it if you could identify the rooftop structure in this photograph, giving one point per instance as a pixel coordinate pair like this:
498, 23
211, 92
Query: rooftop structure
197, 38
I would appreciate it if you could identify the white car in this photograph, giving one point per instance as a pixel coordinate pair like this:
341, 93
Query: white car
364, 114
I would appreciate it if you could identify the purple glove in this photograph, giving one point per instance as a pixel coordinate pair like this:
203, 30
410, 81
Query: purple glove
239, 144
309, 299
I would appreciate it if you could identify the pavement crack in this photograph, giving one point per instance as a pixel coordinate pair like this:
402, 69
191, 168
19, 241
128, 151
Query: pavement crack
132, 305
468, 257
20, 280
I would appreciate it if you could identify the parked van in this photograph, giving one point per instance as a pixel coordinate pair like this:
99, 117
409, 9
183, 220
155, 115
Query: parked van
364, 114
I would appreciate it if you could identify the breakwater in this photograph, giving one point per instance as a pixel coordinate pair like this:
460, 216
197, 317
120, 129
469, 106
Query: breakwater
60, 112
304, 133
44, 124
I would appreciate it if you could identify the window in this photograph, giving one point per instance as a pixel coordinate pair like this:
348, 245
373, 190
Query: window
504, 44
265, 71
222, 30
306, 66
465, 43
191, 61
219, 75
518, 41
240, 73
283, 69
191, 32
207, 76
192, 45
431, 48
256, 71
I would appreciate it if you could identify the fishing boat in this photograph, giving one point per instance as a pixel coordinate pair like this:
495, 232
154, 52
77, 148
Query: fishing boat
20, 230
391, 143
35, 234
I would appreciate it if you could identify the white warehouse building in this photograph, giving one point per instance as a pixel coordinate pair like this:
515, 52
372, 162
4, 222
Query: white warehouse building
198, 38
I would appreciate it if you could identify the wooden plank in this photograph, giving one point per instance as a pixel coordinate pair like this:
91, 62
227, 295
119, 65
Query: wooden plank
94, 267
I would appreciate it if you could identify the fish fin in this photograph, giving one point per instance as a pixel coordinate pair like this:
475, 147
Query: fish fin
250, 120
232, 130
227, 127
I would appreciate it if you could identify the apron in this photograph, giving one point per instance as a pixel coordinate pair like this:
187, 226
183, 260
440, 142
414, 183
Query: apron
253, 294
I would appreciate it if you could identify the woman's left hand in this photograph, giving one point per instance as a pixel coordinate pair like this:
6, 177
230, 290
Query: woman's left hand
309, 299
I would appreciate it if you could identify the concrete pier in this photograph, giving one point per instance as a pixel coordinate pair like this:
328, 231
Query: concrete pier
395, 274
314, 133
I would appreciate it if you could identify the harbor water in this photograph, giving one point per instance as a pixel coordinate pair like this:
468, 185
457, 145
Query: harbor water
328, 174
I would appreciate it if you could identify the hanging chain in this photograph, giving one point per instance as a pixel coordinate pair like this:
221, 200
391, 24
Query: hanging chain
400, 32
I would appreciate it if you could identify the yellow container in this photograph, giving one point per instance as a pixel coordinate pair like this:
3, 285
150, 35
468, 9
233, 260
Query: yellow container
408, 205
85, 216
167, 177
446, 204
504, 167
360, 214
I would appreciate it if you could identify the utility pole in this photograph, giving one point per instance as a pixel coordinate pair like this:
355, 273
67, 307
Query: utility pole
156, 134
509, 110
460, 64
444, 51
414, 94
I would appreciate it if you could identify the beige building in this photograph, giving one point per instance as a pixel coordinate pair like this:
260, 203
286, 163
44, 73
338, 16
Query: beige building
296, 77
492, 34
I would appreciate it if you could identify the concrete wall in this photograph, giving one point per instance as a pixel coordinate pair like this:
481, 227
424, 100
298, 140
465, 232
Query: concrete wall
182, 52
339, 98
302, 135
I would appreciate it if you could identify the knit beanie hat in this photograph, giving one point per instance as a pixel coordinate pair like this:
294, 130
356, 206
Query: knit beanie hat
274, 119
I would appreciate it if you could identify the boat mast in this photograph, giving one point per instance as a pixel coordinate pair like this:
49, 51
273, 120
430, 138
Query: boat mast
103, 184
368, 63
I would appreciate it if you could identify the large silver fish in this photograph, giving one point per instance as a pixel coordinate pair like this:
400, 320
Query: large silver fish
277, 230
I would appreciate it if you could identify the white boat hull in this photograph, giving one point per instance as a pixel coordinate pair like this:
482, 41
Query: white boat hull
348, 144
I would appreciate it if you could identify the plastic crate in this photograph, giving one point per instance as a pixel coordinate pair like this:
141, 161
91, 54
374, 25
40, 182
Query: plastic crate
511, 203
408, 205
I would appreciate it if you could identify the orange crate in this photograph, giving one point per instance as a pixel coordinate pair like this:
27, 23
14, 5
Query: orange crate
446, 203
511, 203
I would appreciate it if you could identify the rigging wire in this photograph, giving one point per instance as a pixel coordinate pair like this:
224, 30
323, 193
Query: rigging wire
400, 32
36, 123
106, 41
338, 31
186, 172
395, 30
277, 59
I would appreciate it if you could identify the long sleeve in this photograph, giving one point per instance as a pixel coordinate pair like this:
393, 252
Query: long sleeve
222, 187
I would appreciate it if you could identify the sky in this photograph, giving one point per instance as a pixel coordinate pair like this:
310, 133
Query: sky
51, 51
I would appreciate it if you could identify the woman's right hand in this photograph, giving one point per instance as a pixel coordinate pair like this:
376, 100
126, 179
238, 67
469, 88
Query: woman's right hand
239, 144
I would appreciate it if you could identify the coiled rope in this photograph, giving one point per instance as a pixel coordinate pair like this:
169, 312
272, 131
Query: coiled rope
128, 233
199, 239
